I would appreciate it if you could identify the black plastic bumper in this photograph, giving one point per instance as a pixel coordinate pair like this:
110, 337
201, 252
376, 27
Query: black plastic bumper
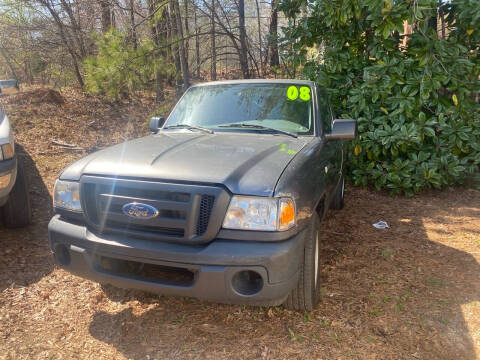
214, 265
8, 167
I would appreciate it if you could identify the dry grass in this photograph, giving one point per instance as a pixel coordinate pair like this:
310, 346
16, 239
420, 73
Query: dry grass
408, 292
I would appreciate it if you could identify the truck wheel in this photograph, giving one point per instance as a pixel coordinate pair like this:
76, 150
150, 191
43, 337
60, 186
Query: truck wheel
337, 201
305, 296
17, 211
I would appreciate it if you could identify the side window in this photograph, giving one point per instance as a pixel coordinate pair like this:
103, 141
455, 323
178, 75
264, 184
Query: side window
330, 111
325, 111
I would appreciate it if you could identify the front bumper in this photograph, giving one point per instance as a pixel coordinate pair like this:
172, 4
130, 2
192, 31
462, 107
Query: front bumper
7, 167
214, 265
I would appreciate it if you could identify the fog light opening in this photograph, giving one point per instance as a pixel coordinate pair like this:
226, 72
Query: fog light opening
247, 282
62, 255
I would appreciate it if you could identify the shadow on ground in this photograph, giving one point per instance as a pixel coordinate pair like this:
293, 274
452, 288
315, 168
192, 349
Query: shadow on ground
25, 257
389, 294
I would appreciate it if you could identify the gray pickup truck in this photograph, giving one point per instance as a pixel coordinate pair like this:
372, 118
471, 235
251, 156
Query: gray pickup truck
222, 202
15, 208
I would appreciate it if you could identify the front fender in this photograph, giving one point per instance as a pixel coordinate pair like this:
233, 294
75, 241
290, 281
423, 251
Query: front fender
304, 180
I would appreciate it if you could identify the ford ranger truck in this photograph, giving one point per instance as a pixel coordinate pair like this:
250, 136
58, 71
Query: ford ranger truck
15, 210
222, 202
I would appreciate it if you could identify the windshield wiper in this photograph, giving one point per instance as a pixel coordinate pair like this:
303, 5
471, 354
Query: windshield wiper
188, 126
259, 127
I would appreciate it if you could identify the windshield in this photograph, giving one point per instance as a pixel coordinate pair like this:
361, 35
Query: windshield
285, 107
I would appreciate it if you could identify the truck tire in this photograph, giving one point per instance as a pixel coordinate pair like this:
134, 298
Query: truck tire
337, 201
17, 211
305, 296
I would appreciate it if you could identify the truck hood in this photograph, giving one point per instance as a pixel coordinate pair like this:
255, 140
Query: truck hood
245, 163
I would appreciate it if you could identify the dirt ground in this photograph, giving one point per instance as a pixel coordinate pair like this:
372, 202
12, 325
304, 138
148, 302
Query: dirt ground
408, 292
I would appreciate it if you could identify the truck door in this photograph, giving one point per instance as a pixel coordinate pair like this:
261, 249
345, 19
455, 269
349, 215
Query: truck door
332, 152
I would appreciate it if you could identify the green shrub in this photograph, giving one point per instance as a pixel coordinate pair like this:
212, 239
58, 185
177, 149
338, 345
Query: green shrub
119, 68
417, 106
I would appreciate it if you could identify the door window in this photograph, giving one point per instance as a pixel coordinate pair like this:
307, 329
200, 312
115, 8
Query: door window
325, 110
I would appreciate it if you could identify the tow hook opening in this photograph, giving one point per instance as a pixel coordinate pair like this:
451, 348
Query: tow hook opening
62, 255
247, 282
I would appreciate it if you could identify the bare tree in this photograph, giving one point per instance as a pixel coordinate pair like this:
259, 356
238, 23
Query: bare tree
243, 39
273, 35
156, 12
213, 67
195, 34
259, 39
197, 43
74, 27
65, 37
187, 29
106, 8
172, 42
183, 56
133, 28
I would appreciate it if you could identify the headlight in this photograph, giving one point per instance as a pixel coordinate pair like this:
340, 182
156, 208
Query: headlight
7, 151
66, 195
257, 213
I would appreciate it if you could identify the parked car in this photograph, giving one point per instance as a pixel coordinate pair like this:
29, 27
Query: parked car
15, 208
223, 201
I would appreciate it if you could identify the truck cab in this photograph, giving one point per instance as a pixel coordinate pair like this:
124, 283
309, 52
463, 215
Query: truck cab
221, 202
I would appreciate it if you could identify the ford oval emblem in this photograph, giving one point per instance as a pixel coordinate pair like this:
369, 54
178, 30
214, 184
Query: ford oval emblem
139, 211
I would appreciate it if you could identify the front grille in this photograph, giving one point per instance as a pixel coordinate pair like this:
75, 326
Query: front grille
128, 226
184, 211
206, 205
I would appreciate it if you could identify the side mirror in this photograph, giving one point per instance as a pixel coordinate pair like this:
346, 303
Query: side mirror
156, 123
8, 86
342, 129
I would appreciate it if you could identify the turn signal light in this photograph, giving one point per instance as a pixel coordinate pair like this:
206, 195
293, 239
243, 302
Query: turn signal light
287, 214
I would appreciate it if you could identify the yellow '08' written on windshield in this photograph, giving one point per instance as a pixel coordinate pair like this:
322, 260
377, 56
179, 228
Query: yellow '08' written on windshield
293, 93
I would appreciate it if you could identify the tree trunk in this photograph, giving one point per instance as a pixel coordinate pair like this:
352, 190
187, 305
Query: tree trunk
259, 40
106, 15
442, 20
197, 44
154, 29
272, 36
75, 27
183, 56
114, 19
153, 22
243, 39
65, 40
213, 67
187, 30
133, 30
227, 30
172, 39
